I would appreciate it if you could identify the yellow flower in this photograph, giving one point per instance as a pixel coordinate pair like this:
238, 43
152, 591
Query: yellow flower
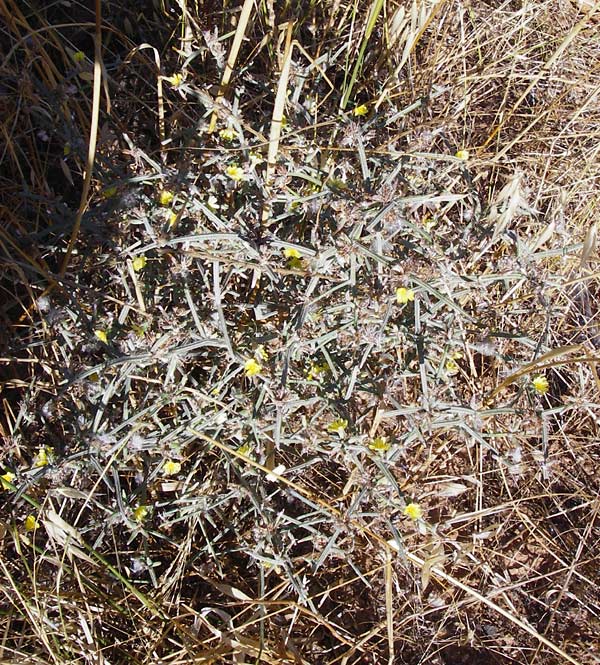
451, 366
141, 512
31, 524
404, 295
227, 134
413, 510
261, 352
8, 477
176, 79
315, 370
361, 110
78, 56
172, 218
244, 449
462, 154
166, 197
252, 368
294, 258
380, 444
338, 426
109, 192
101, 335
429, 223
42, 459
66, 149
235, 172
139, 263
170, 468
540, 384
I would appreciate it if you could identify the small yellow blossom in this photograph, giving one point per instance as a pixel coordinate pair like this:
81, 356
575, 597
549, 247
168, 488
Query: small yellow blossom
141, 512
462, 154
451, 366
413, 510
261, 352
166, 197
6, 478
43, 457
31, 524
176, 79
429, 223
109, 192
316, 370
294, 258
172, 218
227, 134
252, 368
338, 426
66, 149
78, 56
139, 263
235, 172
540, 384
244, 449
361, 110
380, 444
101, 335
170, 468
404, 295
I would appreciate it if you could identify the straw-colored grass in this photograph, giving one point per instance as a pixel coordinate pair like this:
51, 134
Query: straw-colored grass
301, 348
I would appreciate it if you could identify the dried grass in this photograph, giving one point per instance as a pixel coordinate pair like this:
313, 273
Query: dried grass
213, 422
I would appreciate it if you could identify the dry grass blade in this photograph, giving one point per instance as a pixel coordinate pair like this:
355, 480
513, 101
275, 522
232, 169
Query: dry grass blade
278, 110
565, 43
91, 153
389, 605
589, 245
232, 58
440, 574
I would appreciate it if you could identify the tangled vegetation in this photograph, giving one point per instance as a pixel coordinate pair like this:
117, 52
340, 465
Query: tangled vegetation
301, 332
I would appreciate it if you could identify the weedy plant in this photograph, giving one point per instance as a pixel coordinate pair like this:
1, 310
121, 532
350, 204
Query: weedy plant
301, 336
